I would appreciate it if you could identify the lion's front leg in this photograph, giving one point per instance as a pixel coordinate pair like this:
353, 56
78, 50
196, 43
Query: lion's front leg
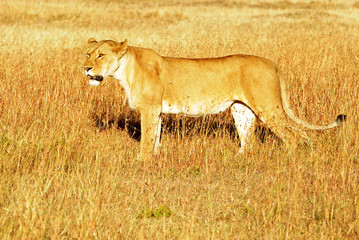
150, 134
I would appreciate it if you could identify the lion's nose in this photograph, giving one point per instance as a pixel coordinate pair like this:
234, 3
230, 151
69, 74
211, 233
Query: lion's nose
87, 68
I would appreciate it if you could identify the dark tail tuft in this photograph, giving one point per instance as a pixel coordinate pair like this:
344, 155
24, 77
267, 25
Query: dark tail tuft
340, 119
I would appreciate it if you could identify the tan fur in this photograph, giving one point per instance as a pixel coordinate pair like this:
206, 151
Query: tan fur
156, 84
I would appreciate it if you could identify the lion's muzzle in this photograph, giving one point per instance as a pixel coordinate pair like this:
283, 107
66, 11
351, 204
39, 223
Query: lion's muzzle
95, 80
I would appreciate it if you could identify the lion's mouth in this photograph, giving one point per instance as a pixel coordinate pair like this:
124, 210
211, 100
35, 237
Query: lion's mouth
97, 78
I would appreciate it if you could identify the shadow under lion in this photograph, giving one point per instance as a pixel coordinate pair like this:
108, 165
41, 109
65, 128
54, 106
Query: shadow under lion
182, 126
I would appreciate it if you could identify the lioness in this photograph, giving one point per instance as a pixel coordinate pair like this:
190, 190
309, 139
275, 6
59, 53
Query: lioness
253, 87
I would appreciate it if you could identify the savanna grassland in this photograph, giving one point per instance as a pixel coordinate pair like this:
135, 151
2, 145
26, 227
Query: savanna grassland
69, 166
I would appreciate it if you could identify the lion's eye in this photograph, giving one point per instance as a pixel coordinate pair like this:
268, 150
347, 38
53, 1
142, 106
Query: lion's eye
88, 55
100, 55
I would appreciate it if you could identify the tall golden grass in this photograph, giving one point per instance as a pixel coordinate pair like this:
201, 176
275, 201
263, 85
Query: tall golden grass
68, 151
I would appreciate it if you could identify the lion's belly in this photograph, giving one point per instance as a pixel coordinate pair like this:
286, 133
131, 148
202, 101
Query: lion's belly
196, 108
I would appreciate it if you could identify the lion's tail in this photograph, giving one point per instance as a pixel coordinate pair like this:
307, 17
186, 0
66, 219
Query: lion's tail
285, 102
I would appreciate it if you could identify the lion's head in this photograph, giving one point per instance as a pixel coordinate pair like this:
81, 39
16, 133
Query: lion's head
103, 59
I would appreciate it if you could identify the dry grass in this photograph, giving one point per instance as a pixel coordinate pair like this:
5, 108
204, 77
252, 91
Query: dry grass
69, 168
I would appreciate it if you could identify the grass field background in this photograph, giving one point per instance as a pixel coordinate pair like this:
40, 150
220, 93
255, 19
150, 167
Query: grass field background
68, 151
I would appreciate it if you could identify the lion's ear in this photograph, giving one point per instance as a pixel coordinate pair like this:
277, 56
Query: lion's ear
91, 42
121, 46
124, 44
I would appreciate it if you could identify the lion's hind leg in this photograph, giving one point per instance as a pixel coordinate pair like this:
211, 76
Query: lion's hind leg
289, 132
244, 120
